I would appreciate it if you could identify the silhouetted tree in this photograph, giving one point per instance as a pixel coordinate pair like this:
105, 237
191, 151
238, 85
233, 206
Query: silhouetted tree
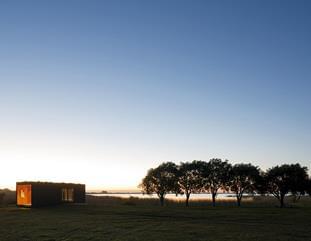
284, 179
299, 181
243, 178
308, 187
161, 180
2, 194
190, 178
216, 177
261, 183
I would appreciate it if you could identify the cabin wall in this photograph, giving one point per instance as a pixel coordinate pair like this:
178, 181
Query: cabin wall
79, 193
45, 194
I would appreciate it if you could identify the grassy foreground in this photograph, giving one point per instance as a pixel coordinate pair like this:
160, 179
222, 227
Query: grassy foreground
126, 220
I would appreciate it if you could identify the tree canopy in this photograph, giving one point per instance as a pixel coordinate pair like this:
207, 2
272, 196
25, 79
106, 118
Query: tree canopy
243, 180
190, 178
216, 176
308, 187
161, 180
286, 178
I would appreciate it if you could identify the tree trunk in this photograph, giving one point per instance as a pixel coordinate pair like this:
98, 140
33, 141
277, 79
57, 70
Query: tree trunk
239, 201
282, 200
187, 199
162, 200
214, 199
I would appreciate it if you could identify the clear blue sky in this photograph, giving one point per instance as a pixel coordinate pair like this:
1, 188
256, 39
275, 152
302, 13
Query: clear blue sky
100, 91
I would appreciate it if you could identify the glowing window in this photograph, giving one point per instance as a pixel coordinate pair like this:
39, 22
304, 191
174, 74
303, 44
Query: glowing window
23, 194
67, 194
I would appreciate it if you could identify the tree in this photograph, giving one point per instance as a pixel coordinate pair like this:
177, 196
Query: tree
2, 194
261, 184
299, 181
284, 179
190, 178
243, 178
161, 180
308, 187
216, 177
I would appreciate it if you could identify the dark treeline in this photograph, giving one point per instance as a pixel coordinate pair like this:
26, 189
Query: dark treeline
217, 175
7, 197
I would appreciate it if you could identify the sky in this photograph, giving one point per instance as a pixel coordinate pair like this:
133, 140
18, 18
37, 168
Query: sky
98, 92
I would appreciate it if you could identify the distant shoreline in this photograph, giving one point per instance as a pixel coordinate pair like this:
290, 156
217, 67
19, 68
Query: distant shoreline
113, 192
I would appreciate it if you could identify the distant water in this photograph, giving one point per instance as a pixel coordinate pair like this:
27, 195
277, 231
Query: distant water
169, 196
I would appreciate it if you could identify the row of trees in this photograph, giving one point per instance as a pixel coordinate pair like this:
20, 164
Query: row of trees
217, 175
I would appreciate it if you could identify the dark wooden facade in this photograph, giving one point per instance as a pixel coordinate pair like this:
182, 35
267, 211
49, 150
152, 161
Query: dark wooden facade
36, 194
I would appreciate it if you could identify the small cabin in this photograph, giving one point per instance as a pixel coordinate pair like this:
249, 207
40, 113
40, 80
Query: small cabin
36, 194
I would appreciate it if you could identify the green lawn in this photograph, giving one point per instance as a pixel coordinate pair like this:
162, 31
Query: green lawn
122, 221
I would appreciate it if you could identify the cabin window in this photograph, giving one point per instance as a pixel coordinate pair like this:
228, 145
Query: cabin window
67, 194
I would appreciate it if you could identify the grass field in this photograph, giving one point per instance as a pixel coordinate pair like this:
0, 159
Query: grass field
116, 219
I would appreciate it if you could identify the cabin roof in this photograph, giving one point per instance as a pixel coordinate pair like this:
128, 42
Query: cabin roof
47, 183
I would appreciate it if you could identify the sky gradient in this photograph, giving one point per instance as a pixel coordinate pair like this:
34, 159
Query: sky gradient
98, 92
